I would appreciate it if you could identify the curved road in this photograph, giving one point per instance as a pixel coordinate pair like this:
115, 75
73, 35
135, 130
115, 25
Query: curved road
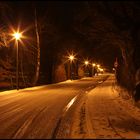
39, 111
86, 108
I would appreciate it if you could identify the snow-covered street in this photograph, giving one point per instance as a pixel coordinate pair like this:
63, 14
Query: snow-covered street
86, 108
106, 115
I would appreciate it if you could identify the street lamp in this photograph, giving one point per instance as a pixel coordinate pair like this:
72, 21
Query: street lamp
93, 64
86, 63
17, 37
101, 70
98, 66
86, 68
93, 69
71, 58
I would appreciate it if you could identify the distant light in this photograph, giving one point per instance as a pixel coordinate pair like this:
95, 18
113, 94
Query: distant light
98, 66
93, 64
101, 70
86, 62
71, 57
17, 35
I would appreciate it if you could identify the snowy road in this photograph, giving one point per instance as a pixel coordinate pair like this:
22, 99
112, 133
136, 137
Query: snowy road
106, 115
87, 108
38, 112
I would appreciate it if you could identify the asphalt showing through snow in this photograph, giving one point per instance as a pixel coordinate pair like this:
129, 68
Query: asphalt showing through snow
37, 112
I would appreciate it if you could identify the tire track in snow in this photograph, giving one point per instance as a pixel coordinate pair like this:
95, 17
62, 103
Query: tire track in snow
67, 107
73, 100
22, 129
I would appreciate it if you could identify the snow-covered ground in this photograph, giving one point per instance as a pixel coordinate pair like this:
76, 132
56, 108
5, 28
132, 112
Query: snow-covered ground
36, 112
86, 108
105, 114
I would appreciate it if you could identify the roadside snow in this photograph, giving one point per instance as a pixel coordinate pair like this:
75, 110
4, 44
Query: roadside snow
105, 114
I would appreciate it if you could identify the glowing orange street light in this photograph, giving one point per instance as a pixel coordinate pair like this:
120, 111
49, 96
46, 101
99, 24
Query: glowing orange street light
86, 68
101, 69
17, 37
98, 66
86, 63
93, 68
93, 64
71, 57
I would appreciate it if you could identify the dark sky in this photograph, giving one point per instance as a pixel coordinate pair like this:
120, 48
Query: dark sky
62, 15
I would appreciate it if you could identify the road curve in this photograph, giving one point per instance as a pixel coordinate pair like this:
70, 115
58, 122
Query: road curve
36, 112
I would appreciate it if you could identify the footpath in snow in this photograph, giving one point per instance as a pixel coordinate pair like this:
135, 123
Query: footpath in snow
104, 113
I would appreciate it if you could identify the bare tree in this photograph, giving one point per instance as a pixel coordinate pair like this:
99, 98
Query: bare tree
38, 49
114, 23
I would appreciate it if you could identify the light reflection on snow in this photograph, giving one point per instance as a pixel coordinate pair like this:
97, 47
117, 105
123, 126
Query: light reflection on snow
34, 88
100, 82
20, 90
70, 103
67, 81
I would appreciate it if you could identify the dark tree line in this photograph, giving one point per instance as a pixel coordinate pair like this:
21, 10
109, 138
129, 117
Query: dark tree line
114, 24
99, 30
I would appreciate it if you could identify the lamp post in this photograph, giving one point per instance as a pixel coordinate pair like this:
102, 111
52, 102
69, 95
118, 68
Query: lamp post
86, 63
93, 69
98, 67
17, 36
71, 58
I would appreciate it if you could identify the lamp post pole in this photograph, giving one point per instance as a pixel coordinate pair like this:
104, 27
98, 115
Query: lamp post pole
86, 68
17, 71
17, 37
93, 69
71, 70
71, 58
